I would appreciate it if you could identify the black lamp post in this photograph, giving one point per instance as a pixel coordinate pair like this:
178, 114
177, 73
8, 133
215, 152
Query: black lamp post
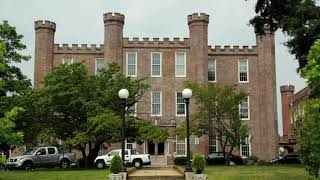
123, 95
186, 94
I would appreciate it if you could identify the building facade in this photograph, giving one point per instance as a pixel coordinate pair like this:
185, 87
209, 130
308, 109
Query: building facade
291, 106
167, 64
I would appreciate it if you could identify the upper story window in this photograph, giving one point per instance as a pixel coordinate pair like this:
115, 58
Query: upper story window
156, 103
67, 61
244, 109
132, 64
243, 71
212, 70
99, 65
245, 147
180, 64
180, 105
156, 64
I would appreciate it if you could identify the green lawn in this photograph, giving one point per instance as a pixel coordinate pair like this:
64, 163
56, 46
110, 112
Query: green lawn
56, 174
214, 172
256, 173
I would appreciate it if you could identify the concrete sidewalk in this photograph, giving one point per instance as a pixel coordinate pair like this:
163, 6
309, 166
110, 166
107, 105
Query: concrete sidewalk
168, 173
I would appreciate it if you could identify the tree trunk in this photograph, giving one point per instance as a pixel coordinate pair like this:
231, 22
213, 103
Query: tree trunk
93, 153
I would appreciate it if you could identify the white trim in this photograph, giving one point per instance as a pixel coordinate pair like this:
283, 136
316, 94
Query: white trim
180, 115
156, 115
95, 66
248, 101
249, 139
67, 58
247, 70
152, 64
136, 64
185, 65
215, 71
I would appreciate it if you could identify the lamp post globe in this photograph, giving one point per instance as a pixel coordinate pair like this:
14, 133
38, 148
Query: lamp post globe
123, 94
187, 93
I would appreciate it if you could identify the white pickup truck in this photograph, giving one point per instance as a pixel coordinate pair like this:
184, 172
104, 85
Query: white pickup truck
136, 160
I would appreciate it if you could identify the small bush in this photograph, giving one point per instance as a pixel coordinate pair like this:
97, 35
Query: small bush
116, 165
198, 163
253, 158
180, 160
2, 160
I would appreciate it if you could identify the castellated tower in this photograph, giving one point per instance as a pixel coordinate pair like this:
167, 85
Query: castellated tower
286, 96
113, 34
44, 39
267, 93
198, 31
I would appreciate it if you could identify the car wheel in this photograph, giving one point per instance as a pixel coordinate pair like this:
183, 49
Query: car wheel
100, 164
28, 165
64, 163
137, 163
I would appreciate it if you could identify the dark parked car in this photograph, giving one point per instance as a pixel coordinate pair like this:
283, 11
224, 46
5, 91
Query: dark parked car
291, 158
218, 158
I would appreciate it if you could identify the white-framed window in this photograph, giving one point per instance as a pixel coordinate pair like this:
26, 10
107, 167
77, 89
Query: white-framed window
131, 64
196, 140
133, 110
244, 108
243, 71
99, 65
180, 64
156, 59
213, 144
67, 60
212, 75
180, 105
181, 148
245, 147
156, 98
131, 145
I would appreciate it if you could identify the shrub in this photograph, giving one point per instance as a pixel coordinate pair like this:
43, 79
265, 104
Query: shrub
198, 163
116, 165
253, 158
2, 160
180, 160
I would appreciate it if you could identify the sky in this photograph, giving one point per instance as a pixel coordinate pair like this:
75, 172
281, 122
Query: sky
81, 22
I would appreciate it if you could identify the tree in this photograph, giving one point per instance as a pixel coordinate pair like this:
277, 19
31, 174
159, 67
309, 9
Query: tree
309, 139
12, 82
299, 19
8, 134
218, 114
81, 109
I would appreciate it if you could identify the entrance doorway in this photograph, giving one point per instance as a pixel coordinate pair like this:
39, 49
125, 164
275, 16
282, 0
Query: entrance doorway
155, 148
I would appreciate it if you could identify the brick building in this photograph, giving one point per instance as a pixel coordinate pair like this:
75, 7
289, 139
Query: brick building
168, 63
291, 102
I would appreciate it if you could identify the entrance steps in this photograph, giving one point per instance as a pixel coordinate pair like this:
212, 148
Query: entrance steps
158, 161
154, 173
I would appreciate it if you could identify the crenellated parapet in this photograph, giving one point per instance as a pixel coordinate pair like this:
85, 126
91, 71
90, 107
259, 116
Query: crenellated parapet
287, 88
232, 50
44, 25
155, 43
113, 17
78, 49
196, 17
